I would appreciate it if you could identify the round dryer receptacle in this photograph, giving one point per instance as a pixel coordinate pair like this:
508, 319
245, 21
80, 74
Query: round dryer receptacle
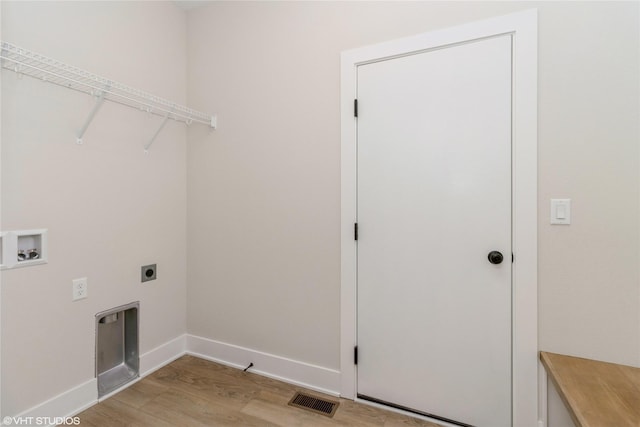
148, 272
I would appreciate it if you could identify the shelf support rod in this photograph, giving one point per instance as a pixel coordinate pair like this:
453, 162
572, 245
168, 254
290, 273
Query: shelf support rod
92, 114
153, 138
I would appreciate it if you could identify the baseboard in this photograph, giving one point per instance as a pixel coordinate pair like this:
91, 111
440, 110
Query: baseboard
162, 355
85, 395
66, 404
306, 375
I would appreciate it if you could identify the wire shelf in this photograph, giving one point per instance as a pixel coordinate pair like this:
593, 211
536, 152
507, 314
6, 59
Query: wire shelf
35, 65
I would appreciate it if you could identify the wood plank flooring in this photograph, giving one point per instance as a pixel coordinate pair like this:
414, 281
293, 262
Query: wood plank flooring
195, 392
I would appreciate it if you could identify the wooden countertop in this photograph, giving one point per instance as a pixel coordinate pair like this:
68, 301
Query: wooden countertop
597, 394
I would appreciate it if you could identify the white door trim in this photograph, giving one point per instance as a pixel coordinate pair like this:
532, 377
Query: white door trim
523, 26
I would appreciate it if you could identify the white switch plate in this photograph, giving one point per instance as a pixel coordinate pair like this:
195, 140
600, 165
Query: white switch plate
80, 288
561, 211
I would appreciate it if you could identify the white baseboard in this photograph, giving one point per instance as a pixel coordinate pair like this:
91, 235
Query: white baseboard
306, 375
66, 404
85, 395
162, 355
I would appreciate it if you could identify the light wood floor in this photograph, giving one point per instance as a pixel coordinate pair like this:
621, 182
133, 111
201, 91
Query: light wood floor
196, 392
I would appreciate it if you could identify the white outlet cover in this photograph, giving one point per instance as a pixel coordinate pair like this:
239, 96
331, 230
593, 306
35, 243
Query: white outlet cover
80, 289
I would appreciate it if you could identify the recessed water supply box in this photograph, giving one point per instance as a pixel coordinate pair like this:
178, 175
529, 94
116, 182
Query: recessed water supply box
117, 349
23, 248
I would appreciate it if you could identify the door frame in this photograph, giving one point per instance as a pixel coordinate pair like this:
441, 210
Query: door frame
523, 27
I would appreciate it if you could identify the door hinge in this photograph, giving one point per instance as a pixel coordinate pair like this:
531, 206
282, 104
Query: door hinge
355, 231
355, 108
355, 355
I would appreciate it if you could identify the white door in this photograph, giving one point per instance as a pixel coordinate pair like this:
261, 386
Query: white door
433, 201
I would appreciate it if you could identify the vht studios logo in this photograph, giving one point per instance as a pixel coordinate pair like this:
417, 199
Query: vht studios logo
41, 421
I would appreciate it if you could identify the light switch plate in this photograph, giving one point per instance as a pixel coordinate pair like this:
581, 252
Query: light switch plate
561, 211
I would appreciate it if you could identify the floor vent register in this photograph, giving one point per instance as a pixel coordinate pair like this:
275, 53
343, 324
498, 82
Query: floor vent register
314, 404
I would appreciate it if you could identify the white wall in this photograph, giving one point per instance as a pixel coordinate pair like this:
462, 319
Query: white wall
262, 192
263, 201
588, 151
0, 227
109, 208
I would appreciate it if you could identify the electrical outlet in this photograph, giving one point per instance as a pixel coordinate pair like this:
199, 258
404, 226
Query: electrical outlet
80, 288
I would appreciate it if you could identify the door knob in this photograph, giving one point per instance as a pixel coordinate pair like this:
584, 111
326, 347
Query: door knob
495, 257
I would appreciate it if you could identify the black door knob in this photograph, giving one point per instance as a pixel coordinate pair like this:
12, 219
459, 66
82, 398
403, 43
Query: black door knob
495, 257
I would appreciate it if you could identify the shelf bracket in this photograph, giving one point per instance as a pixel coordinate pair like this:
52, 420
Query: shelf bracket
155, 135
92, 114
